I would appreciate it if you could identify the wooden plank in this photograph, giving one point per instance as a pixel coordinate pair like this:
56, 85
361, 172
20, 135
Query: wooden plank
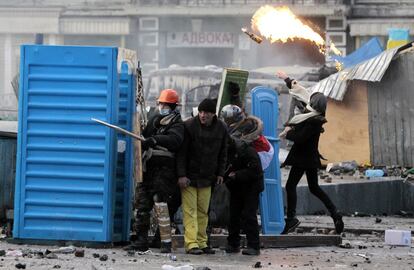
410, 113
395, 111
372, 123
397, 94
10, 214
272, 241
346, 135
380, 121
138, 177
389, 128
379, 159
383, 125
62, 243
407, 99
216, 241
267, 241
391, 134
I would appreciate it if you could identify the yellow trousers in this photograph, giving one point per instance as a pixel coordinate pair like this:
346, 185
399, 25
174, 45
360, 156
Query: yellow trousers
195, 203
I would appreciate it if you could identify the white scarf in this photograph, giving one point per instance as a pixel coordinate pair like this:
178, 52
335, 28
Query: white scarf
303, 116
299, 92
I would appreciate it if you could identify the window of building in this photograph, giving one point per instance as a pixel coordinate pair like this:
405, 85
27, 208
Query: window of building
148, 24
338, 38
335, 23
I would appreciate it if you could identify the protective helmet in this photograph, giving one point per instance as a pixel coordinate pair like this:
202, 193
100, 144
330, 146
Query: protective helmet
231, 114
169, 96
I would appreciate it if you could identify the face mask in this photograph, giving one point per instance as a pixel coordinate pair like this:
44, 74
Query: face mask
164, 112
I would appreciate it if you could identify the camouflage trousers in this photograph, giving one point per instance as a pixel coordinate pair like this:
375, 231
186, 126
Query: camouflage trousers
159, 187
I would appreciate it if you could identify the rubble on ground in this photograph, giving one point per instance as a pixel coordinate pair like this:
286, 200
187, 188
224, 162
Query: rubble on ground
363, 246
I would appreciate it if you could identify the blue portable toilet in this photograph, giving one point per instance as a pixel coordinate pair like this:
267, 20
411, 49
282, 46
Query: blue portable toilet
124, 177
66, 184
265, 106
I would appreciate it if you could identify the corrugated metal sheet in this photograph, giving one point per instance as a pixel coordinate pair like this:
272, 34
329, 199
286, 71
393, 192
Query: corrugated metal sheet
391, 115
372, 70
7, 174
65, 161
124, 183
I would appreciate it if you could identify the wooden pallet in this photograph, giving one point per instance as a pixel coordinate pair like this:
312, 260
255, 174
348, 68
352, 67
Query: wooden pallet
273, 241
217, 241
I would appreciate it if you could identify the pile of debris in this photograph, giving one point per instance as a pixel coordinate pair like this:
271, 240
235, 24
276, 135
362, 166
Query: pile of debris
364, 171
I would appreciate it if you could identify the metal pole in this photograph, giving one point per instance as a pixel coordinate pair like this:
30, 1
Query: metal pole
126, 132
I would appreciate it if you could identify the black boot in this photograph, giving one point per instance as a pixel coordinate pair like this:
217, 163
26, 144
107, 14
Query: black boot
165, 247
131, 247
339, 224
251, 251
290, 225
208, 250
141, 244
232, 249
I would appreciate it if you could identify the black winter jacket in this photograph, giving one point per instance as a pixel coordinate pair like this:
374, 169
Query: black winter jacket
203, 155
304, 152
245, 162
169, 135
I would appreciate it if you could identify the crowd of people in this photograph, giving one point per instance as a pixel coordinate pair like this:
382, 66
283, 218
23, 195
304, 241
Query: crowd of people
184, 160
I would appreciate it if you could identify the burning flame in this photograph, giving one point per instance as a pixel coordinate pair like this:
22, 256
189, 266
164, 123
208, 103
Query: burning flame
280, 24
338, 65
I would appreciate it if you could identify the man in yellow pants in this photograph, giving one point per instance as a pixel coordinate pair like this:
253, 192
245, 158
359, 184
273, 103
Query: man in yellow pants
201, 162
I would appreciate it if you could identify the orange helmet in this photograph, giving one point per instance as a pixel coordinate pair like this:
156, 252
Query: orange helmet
168, 96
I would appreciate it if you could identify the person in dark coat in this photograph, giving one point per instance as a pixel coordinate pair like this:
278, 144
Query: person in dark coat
200, 163
244, 179
304, 130
164, 135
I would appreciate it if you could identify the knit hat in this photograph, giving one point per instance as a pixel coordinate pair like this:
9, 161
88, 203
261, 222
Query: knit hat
207, 105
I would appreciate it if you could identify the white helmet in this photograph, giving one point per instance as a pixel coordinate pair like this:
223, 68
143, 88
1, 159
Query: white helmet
231, 114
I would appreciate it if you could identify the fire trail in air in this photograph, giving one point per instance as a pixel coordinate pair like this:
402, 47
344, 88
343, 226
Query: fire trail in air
279, 24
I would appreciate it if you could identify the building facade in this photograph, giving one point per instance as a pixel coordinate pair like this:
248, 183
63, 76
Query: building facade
186, 32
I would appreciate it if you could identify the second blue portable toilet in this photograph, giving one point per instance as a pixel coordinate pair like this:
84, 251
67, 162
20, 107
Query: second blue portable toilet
265, 106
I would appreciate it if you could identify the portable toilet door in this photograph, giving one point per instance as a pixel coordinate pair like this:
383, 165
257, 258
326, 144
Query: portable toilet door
265, 106
124, 182
65, 161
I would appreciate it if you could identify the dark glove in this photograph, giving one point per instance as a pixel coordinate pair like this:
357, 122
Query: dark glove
288, 82
148, 143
